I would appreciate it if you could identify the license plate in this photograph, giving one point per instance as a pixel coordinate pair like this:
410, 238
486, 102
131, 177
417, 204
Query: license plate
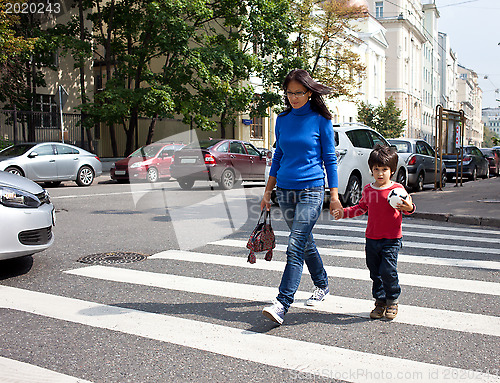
448, 170
53, 217
120, 172
188, 160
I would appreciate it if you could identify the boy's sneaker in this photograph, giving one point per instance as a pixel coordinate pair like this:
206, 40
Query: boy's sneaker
317, 296
379, 310
276, 312
391, 311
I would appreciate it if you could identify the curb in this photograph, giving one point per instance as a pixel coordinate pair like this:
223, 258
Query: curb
463, 219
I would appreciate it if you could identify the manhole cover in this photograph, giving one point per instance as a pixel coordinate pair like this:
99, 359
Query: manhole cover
113, 257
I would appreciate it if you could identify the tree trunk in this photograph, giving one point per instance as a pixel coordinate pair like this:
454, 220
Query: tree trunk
222, 125
151, 130
82, 81
112, 137
130, 132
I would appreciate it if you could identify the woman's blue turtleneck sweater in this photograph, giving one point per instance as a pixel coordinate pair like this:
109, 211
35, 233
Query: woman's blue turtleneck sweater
304, 143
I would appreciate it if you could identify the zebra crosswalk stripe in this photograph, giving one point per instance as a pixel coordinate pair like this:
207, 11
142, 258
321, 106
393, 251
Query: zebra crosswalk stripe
417, 259
313, 358
451, 284
417, 245
19, 372
408, 233
449, 320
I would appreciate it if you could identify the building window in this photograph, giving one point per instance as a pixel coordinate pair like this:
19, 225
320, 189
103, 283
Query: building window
379, 9
46, 103
257, 128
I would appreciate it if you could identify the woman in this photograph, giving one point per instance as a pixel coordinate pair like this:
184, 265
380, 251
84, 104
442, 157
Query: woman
304, 144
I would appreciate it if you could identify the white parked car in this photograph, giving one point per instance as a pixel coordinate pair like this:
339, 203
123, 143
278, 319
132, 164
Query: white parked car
354, 143
26, 217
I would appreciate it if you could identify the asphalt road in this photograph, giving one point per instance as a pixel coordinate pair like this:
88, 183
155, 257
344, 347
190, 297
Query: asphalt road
191, 311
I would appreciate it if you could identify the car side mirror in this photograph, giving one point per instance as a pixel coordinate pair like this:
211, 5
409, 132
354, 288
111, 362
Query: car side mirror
33, 155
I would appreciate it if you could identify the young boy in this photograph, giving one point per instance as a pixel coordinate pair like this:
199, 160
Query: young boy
383, 231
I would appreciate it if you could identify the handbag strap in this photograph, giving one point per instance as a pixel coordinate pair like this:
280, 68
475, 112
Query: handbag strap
266, 216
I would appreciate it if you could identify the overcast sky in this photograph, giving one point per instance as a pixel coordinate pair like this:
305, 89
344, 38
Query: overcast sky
474, 30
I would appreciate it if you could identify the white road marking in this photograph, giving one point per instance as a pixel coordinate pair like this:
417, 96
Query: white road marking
443, 319
14, 371
407, 233
418, 245
333, 362
435, 227
426, 281
417, 259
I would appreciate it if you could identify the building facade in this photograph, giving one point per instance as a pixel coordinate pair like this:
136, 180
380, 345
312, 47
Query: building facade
403, 21
491, 120
470, 101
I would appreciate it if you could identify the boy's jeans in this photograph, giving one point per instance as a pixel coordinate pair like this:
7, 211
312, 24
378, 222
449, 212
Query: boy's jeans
301, 210
382, 261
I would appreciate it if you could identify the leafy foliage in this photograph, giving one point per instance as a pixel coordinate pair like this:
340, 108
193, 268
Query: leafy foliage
11, 43
324, 42
383, 118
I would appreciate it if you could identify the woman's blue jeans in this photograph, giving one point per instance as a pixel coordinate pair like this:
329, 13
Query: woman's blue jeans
301, 209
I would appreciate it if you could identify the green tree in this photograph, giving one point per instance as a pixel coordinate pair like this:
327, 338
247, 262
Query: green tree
383, 118
11, 43
490, 138
208, 51
324, 43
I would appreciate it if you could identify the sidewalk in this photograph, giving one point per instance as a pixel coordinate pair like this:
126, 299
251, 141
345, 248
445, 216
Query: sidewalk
474, 203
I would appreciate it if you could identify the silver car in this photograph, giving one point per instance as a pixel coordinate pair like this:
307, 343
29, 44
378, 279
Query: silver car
26, 217
51, 162
420, 161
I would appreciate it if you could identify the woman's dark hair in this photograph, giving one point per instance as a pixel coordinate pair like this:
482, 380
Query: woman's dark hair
318, 90
383, 155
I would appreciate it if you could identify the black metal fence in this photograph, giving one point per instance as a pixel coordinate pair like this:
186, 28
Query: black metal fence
28, 126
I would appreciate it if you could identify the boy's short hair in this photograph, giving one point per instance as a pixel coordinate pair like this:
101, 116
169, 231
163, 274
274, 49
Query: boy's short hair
383, 155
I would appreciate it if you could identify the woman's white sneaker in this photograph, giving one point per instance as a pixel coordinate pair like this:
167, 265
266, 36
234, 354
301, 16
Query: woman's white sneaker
276, 312
318, 296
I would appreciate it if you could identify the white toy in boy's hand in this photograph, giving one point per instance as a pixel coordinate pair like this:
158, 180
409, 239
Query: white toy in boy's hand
396, 197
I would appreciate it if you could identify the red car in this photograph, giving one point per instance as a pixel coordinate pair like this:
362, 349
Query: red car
224, 161
150, 162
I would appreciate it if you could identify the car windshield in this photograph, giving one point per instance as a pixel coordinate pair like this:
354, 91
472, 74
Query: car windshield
146, 151
203, 144
16, 150
401, 146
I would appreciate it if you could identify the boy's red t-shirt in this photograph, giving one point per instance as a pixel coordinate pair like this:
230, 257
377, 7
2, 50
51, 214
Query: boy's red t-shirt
384, 222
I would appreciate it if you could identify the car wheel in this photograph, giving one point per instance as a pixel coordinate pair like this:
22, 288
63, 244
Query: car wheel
152, 175
353, 191
52, 184
185, 184
15, 170
401, 178
473, 177
419, 186
443, 180
227, 180
487, 175
85, 176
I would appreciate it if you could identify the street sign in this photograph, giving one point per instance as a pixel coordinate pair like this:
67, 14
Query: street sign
63, 97
457, 136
